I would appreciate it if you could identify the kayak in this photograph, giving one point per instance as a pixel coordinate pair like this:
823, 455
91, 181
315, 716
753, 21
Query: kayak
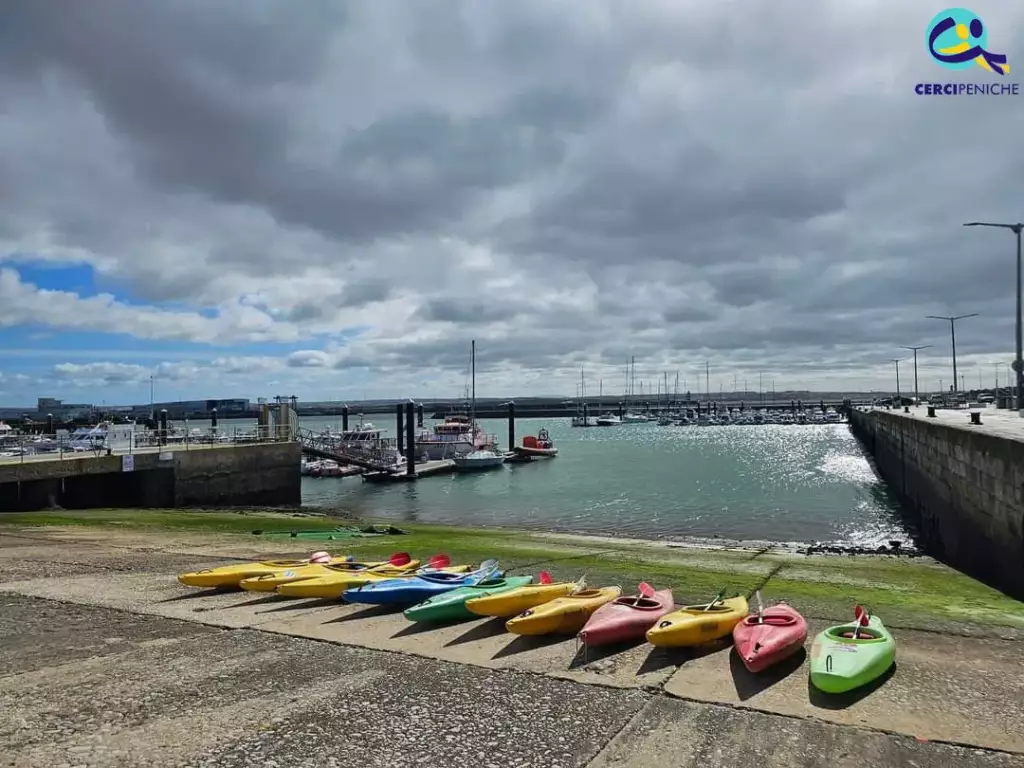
698, 624
563, 615
626, 618
505, 605
230, 576
451, 606
841, 661
419, 587
269, 582
332, 584
346, 532
769, 637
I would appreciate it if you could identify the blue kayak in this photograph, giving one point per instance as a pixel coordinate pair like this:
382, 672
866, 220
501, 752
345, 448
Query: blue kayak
410, 591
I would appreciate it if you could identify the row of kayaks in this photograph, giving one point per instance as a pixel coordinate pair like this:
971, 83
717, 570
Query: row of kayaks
843, 657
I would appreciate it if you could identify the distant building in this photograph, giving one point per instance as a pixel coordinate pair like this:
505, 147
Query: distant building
199, 409
48, 406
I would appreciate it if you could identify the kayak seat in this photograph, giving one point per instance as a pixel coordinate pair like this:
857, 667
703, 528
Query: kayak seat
586, 594
640, 603
865, 634
771, 621
442, 576
705, 609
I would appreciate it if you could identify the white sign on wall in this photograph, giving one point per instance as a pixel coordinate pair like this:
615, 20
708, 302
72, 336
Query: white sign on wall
127, 463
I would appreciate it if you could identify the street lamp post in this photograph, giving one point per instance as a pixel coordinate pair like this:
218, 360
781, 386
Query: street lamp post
952, 334
1018, 363
899, 397
917, 392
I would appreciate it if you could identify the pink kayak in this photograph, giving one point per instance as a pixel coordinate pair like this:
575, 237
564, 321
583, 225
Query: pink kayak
766, 639
627, 618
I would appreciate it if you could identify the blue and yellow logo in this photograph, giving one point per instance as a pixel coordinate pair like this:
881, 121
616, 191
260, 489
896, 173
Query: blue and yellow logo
958, 39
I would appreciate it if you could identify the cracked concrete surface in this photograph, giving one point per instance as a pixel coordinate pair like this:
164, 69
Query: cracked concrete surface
111, 663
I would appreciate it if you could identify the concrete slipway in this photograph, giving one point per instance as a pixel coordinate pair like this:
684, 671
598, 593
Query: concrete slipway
105, 660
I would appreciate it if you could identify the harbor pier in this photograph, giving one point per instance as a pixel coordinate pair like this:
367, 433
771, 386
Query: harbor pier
260, 474
960, 477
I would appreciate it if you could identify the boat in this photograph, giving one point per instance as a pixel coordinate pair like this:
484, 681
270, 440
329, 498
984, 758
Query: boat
769, 636
451, 606
563, 615
269, 582
456, 435
230, 576
541, 445
698, 624
362, 433
507, 604
633, 418
480, 458
331, 585
418, 588
627, 618
608, 420
848, 656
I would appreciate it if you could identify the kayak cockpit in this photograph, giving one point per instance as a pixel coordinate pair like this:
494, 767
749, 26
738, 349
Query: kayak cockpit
771, 621
863, 634
640, 603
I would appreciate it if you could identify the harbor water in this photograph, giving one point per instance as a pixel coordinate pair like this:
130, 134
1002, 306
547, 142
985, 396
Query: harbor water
800, 483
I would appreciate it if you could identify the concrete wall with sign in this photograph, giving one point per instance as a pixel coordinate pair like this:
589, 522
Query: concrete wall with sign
962, 489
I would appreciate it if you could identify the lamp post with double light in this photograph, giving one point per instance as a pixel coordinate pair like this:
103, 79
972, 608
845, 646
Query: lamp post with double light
952, 333
917, 392
1018, 363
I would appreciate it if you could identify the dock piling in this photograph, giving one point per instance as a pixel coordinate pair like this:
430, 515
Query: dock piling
344, 418
49, 424
399, 428
163, 427
419, 415
213, 421
410, 440
511, 425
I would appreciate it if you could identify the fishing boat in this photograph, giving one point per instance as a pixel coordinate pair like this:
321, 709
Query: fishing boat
331, 585
848, 656
698, 624
418, 588
451, 606
508, 604
627, 618
563, 615
269, 582
230, 576
541, 445
481, 458
769, 636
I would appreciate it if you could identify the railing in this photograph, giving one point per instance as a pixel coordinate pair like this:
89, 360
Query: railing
381, 455
22, 447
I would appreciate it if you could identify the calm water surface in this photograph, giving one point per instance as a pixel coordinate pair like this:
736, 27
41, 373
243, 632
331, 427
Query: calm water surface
783, 483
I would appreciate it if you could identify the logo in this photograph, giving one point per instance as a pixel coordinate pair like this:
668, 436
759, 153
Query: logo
958, 39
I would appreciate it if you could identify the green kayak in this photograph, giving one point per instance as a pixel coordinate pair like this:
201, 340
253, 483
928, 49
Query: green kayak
841, 661
451, 606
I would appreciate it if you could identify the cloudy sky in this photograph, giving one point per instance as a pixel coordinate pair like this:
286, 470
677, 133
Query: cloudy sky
330, 199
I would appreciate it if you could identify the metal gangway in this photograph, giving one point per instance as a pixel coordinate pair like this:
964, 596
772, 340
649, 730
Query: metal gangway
376, 455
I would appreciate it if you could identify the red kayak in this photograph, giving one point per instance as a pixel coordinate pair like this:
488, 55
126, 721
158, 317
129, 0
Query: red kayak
627, 618
768, 637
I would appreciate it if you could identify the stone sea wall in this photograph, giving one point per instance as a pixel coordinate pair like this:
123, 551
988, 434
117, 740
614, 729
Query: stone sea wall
962, 488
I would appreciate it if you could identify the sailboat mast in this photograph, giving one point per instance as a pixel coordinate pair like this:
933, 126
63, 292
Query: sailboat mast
472, 365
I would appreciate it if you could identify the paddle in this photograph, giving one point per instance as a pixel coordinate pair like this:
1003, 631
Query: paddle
544, 578
319, 557
399, 559
580, 585
645, 590
760, 607
436, 563
713, 603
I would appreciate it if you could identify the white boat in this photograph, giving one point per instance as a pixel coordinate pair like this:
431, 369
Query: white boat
363, 432
480, 458
633, 418
608, 420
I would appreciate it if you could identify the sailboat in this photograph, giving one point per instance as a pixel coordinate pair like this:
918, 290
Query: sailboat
480, 458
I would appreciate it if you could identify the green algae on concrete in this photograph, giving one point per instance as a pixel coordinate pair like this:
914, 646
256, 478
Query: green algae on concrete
908, 592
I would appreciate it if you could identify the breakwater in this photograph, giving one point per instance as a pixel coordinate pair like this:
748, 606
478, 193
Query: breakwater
960, 483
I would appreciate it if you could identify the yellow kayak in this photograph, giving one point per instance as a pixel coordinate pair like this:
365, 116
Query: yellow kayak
698, 624
229, 576
563, 615
331, 585
515, 601
271, 581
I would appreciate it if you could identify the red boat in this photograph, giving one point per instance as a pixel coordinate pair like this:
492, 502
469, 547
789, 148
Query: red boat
541, 445
768, 637
627, 618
